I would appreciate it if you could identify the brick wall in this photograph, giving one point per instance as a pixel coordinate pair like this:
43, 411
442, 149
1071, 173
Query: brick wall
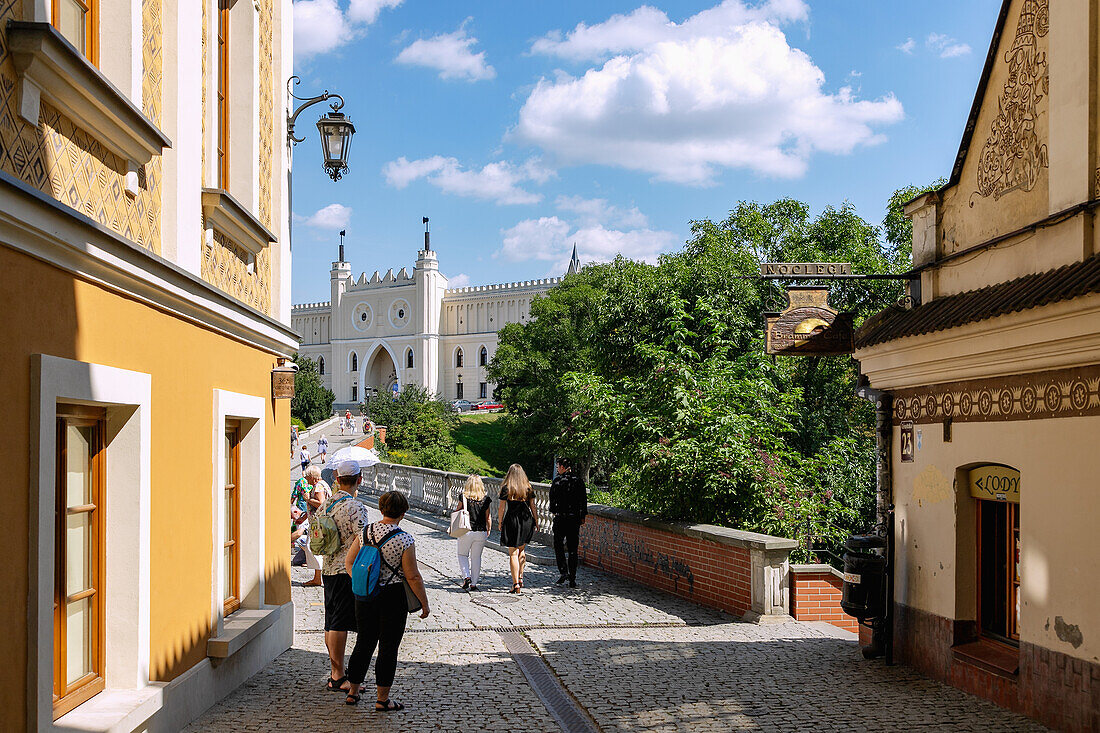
711, 566
815, 596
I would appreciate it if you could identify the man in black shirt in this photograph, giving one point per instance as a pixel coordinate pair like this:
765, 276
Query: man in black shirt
569, 505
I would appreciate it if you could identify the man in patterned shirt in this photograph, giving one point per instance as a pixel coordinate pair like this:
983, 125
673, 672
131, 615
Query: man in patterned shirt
350, 516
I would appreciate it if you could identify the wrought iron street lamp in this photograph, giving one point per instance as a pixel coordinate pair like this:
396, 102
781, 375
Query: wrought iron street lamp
335, 129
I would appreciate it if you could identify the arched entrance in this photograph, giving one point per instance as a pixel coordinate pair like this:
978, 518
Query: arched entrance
380, 372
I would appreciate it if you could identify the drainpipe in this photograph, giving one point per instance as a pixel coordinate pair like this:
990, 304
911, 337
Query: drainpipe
882, 639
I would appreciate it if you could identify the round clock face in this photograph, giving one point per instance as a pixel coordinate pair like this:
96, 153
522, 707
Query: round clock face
400, 313
362, 317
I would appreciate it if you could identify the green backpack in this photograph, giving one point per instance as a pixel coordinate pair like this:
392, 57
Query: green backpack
324, 535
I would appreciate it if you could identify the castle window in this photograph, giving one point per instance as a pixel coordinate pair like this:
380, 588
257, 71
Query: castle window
458, 357
483, 357
354, 362
408, 358
483, 391
321, 364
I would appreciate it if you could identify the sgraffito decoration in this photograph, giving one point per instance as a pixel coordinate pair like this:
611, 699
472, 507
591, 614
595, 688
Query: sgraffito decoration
1013, 155
1040, 395
225, 266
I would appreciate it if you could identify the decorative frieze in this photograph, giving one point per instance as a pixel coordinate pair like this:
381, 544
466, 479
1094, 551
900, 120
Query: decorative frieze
1040, 395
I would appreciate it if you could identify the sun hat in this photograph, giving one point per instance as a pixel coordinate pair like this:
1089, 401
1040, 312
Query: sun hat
348, 468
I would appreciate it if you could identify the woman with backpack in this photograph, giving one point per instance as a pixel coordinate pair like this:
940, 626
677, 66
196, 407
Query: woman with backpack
471, 544
380, 616
518, 520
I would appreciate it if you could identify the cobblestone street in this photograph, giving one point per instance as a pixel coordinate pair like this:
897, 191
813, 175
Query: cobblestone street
632, 658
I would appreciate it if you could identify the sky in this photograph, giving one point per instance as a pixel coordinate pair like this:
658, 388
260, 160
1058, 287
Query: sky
523, 127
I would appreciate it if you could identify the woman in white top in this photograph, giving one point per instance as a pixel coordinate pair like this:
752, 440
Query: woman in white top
471, 544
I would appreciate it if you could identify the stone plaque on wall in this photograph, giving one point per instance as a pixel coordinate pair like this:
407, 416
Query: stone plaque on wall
282, 383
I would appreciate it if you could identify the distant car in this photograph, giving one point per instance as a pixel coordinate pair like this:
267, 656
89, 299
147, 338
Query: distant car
489, 406
461, 406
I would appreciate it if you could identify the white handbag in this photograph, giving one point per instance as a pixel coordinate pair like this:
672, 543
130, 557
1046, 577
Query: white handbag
460, 521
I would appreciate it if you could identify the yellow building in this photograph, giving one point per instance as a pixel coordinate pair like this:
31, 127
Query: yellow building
144, 272
995, 380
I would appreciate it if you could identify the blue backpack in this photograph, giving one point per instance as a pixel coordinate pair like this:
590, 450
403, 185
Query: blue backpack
367, 570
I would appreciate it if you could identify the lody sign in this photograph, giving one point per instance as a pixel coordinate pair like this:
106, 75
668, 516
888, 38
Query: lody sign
808, 326
995, 483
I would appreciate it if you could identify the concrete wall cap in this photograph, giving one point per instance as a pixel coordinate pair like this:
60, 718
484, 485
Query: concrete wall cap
710, 532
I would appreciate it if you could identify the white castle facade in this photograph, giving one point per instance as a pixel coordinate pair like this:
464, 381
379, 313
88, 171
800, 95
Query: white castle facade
387, 331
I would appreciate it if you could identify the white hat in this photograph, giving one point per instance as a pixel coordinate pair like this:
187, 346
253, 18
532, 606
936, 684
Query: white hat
348, 468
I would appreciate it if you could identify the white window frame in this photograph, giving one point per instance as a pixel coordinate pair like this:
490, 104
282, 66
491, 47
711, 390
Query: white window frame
249, 410
126, 395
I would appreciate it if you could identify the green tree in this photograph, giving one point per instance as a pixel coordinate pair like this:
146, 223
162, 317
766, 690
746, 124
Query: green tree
416, 423
312, 401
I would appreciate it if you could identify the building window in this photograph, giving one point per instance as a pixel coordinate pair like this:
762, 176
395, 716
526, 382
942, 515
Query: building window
483, 391
78, 543
999, 569
483, 357
458, 391
231, 508
355, 393
409, 359
458, 357
354, 362
223, 94
78, 22
321, 365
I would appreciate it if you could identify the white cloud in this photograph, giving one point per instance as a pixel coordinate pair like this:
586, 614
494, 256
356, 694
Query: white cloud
693, 102
908, 46
451, 54
461, 280
333, 216
598, 211
498, 182
551, 239
946, 46
647, 26
321, 26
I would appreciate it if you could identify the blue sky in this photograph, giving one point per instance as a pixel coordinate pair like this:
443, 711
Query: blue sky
523, 126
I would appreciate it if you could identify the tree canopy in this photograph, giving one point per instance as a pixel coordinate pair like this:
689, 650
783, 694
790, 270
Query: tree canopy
312, 401
653, 378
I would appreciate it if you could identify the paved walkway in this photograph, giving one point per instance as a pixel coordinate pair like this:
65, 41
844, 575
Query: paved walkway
630, 658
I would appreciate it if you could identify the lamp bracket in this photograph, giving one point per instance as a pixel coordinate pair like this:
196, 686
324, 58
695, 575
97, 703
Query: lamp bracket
337, 104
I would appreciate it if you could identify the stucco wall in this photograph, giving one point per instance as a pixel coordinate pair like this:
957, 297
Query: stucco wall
65, 317
1059, 506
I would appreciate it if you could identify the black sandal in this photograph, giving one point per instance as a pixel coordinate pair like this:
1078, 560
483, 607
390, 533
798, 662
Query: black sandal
336, 685
515, 588
387, 706
352, 699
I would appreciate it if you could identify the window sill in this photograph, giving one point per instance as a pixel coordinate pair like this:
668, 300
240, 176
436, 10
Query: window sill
50, 68
114, 710
239, 629
992, 656
228, 216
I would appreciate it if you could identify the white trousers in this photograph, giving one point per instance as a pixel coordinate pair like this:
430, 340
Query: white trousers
470, 546
311, 560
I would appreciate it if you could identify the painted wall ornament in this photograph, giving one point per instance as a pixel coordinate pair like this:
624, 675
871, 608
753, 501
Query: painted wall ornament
1013, 155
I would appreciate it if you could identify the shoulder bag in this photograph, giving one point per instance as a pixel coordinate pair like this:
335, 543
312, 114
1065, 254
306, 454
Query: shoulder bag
460, 521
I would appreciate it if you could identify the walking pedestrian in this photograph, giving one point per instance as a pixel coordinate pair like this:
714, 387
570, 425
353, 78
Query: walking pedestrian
471, 544
518, 521
569, 505
350, 516
380, 621
318, 494
322, 448
304, 457
293, 439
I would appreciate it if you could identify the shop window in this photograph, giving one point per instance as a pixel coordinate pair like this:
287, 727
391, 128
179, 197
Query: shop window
231, 506
458, 391
78, 21
999, 569
78, 618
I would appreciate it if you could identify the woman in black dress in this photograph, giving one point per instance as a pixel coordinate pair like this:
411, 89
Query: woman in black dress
517, 519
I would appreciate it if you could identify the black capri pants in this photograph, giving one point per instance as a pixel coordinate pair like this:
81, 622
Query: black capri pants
380, 622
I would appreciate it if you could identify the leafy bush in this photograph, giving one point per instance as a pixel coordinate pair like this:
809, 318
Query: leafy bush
312, 401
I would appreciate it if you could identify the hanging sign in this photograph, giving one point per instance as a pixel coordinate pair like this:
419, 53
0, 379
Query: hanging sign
282, 382
995, 483
805, 269
808, 326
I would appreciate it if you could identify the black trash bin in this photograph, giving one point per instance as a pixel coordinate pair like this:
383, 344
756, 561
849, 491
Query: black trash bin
864, 577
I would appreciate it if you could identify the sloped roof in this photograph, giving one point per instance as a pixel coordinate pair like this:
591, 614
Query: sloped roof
1030, 291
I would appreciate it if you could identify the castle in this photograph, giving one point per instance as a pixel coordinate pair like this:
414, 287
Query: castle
381, 333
